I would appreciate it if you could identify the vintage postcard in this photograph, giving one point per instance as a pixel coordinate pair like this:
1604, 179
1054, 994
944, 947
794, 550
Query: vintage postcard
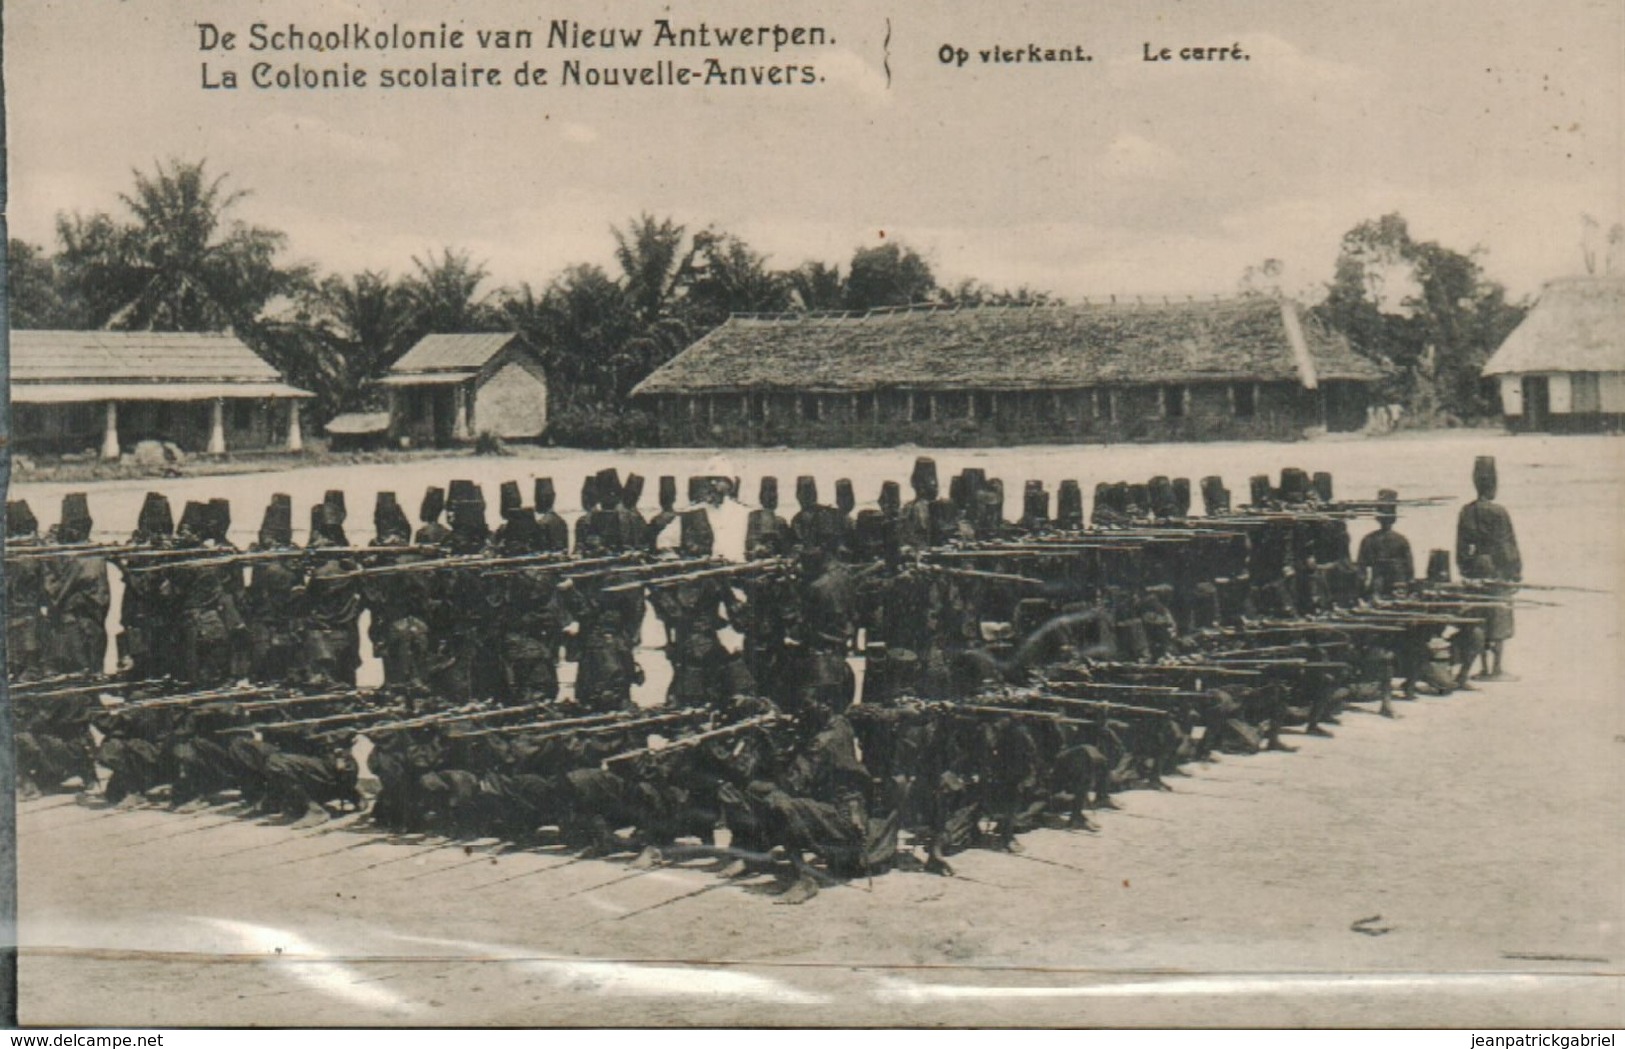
822, 514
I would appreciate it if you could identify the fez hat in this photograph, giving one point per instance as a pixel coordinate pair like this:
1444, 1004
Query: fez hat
508, 498
277, 524
1139, 495
824, 530
465, 494
388, 518
589, 492
609, 488
891, 498
1438, 566
1259, 489
958, 491
1161, 495
544, 495
76, 510
768, 493
1294, 485
1182, 496
74, 525
807, 490
1122, 496
1035, 501
155, 517
194, 517
632, 491
869, 534
1387, 503
845, 498
925, 472
219, 518
1484, 473
993, 496
1323, 486
696, 487
668, 491
1215, 497
20, 519
975, 481
1103, 497
694, 532
1069, 504
434, 503
335, 499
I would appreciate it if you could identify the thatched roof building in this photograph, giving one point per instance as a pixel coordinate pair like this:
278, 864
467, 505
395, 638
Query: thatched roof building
1237, 367
1563, 368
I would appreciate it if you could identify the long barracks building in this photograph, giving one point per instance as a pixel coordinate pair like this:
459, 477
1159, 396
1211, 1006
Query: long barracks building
1250, 367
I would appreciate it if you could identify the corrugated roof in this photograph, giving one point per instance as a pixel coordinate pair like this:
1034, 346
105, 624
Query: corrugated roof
1015, 348
426, 378
74, 392
1578, 325
134, 356
453, 352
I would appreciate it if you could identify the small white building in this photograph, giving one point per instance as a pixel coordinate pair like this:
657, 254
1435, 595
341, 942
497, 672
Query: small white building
448, 388
1563, 369
74, 391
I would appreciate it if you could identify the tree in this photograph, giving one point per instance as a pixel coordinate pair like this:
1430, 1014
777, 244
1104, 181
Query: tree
179, 264
815, 286
1426, 311
444, 296
32, 292
889, 275
970, 292
727, 277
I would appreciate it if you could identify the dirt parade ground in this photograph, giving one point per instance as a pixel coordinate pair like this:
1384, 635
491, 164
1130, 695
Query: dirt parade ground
1463, 865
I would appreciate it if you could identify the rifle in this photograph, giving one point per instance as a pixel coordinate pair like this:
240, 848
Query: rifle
516, 563
616, 719
971, 573
447, 719
330, 719
685, 742
554, 729
245, 557
86, 690
572, 564
751, 567
1099, 705
290, 701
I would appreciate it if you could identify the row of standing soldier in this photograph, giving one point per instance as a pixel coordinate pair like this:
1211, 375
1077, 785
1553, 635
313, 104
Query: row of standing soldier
923, 624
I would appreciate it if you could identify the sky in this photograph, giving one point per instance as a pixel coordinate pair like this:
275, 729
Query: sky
1493, 124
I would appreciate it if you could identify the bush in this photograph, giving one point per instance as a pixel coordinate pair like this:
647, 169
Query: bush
602, 426
488, 443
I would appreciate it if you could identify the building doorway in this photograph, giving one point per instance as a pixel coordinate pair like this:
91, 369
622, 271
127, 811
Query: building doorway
1537, 402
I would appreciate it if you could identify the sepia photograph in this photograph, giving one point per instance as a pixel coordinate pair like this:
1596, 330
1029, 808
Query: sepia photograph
816, 515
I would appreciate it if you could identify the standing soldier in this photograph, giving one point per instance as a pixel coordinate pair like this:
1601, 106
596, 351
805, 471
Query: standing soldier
587, 541
806, 520
919, 527
1386, 563
218, 516
555, 534
272, 600
77, 595
399, 602
694, 612
141, 611
201, 599
331, 602
846, 501
433, 533
766, 533
25, 595
668, 513
1487, 549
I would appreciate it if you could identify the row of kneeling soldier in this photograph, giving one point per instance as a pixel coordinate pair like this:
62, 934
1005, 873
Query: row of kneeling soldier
1014, 673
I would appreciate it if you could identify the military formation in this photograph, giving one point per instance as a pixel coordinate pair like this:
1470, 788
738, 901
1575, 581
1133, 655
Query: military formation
853, 691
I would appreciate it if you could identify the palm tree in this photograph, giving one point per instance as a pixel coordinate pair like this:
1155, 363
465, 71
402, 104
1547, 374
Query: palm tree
180, 264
